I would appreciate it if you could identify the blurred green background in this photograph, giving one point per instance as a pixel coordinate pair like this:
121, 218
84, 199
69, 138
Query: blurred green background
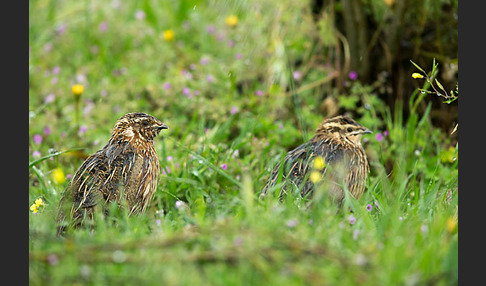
240, 83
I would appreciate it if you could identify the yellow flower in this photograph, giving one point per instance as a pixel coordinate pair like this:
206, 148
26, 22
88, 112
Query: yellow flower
315, 176
319, 163
417, 75
78, 89
39, 202
58, 176
231, 21
168, 35
389, 2
34, 208
451, 225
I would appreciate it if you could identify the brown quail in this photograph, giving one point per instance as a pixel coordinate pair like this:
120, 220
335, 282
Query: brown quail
338, 143
126, 171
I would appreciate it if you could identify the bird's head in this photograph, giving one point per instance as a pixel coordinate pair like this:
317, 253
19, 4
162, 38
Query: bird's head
342, 128
138, 126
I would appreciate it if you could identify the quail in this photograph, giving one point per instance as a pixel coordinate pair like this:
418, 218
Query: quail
337, 143
125, 171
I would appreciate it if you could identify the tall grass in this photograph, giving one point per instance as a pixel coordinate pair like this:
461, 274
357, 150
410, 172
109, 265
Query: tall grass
206, 224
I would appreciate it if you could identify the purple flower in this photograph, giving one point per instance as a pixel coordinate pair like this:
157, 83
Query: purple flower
259, 93
103, 27
369, 207
187, 74
61, 29
49, 98
187, 92
234, 110
139, 15
69, 176
231, 43
37, 139
386, 133
351, 219
82, 129
296, 75
54, 80
291, 223
356, 234
36, 154
167, 85
56, 70
170, 158
400, 218
379, 137
210, 29
157, 221
163, 171
47, 130
204, 61
210, 78
353, 75
238, 56
224, 166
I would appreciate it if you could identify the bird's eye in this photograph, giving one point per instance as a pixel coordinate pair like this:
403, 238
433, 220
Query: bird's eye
145, 123
349, 129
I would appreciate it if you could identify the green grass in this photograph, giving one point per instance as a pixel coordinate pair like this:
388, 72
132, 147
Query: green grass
222, 234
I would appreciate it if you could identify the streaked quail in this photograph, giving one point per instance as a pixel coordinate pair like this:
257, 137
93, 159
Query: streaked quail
337, 142
126, 170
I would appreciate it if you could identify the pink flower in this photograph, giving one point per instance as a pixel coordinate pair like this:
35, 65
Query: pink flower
49, 98
291, 223
56, 70
47, 130
82, 129
369, 207
351, 219
224, 166
37, 139
379, 137
187, 92
210, 78
204, 61
386, 133
167, 85
139, 15
234, 110
297, 75
36, 154
238, 56
210, 29
259, 93
103, 27
353, 75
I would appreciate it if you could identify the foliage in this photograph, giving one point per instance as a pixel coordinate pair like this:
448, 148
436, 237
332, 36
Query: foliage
236, 95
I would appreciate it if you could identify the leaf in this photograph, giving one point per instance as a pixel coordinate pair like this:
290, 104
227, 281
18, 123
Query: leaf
440, 85
35, 162
417, 66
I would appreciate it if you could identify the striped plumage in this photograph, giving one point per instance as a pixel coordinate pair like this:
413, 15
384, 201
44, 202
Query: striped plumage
338, 142
126, 170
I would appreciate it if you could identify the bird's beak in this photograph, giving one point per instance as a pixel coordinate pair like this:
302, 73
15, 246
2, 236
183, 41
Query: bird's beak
162, 126
367, 131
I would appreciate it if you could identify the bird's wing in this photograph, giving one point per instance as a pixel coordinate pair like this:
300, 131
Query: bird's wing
295, 165
298, 163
